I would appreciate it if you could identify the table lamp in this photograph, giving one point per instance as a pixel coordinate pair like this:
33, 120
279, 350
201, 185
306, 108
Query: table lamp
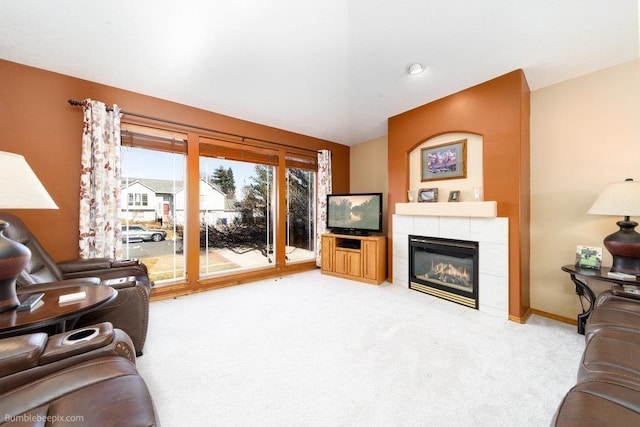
19, 189
622, 199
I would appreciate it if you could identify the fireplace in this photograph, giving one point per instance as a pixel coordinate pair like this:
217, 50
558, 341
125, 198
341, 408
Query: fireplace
444, 268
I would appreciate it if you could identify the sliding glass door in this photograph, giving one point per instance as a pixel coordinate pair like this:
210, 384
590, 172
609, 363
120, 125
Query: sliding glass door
152, 181
238, 208
301, 194
237, 215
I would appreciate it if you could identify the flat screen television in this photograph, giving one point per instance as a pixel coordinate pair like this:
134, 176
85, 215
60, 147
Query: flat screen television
354, 213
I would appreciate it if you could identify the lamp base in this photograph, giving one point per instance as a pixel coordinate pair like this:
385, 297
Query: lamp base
13, 258
624, 246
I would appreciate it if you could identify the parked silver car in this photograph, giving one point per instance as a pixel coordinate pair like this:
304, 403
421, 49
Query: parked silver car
137, 233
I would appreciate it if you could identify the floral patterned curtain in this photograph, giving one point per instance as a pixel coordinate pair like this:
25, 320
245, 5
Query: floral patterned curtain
100, 230
324, 188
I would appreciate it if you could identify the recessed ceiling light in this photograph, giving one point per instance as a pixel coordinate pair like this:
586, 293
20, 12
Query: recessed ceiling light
415, 68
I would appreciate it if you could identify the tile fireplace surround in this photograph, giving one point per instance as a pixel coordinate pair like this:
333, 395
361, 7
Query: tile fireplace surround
473, 221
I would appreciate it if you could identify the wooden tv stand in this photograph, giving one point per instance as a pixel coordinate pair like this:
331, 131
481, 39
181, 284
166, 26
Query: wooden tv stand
362, 258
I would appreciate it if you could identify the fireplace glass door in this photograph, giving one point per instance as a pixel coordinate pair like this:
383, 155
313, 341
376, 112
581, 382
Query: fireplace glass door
444, 268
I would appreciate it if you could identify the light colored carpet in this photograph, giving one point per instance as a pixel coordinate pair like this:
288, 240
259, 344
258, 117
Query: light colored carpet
312, 350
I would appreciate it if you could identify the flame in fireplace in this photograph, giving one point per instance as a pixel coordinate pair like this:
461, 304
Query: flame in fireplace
447, 273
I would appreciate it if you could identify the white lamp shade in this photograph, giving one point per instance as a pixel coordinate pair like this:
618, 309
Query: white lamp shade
619, 199
20, 188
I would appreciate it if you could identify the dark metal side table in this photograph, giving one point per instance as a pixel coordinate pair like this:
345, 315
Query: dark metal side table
579, 276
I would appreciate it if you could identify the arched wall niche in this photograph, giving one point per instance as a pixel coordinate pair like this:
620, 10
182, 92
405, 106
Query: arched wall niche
474, 166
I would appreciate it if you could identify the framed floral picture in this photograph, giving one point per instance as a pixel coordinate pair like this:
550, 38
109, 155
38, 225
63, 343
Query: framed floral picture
444, 161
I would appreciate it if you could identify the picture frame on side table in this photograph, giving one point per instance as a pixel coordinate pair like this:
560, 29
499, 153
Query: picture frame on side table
589, 257
444, 161
428, 195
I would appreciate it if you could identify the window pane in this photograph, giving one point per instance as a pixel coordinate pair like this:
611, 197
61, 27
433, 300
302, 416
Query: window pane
151, 181
237, 203
300, 245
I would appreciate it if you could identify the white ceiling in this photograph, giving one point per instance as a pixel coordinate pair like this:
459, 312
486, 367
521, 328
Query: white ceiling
332, 69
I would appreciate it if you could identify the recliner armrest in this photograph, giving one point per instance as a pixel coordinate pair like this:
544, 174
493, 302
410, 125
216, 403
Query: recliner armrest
120, 282
39, 287
26, 358
608, 295
131, 262
85, 265
56, 349
21, 352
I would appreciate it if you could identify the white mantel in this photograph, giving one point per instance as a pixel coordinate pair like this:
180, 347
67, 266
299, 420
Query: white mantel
459, 209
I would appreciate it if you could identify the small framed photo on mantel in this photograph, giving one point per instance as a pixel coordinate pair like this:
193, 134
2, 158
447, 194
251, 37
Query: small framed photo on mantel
589, 257
428, 195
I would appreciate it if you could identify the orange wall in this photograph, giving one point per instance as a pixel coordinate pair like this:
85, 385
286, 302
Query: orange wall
37, 122
499, 111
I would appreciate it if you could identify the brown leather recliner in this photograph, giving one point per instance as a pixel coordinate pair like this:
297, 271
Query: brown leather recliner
81, 377
129, 311
607, 391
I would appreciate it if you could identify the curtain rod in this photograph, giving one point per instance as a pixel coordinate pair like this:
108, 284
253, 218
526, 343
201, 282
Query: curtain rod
77, 103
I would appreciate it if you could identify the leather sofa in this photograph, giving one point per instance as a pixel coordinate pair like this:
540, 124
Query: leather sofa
83, 377
129, 311
607, 391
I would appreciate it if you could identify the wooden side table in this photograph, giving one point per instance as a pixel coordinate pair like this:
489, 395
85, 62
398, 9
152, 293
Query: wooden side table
50, 312
579, 276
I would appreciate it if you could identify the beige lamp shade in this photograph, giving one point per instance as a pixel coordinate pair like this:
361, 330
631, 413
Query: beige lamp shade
618, 198
20, 188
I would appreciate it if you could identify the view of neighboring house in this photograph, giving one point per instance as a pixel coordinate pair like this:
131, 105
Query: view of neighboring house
146, 199
215, 206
